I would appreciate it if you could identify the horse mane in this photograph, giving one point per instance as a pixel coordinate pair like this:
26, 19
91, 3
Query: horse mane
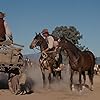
55, 38
72, 47
39, 36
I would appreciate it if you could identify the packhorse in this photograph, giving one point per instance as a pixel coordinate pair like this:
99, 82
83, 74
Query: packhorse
79, 61
47, 60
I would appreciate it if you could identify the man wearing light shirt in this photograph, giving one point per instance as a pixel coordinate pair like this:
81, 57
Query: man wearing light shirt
50, 40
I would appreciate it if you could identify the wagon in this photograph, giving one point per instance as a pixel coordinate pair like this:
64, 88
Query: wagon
11, 60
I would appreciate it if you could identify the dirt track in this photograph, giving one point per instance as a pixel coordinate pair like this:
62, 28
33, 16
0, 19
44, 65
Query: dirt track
59, 89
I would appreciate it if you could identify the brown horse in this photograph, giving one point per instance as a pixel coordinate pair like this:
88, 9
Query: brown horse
80, 61
49, 58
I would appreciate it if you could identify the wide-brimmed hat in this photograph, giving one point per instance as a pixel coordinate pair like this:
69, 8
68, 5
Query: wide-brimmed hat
45, 31
2, 15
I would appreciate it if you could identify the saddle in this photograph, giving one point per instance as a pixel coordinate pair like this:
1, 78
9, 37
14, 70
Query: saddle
51, 58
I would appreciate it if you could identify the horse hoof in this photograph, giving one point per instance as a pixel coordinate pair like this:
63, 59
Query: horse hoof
43, 86
80, 92
83, 87
49, 87
91, 88
73, 89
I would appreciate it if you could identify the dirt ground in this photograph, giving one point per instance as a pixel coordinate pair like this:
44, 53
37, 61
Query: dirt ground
59, 89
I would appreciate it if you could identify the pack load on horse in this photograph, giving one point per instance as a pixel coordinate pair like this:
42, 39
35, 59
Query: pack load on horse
47, 59
79, 61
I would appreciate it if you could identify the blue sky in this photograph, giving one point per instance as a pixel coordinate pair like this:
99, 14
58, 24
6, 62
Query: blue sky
25, 17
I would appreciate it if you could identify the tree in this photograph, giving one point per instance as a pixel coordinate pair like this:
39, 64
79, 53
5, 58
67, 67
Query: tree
70, 33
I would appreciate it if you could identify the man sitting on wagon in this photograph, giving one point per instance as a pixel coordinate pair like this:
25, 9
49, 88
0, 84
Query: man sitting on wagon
5, 33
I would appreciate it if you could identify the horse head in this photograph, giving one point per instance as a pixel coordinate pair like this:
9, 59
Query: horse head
38, 40
35, 41
63, 43
70, 48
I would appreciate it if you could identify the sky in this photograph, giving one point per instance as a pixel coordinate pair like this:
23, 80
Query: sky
25, 17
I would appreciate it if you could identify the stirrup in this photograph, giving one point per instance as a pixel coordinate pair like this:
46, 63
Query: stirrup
44, 55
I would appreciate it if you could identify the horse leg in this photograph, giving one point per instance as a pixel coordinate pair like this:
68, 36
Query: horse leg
43, 77
49, 77
91, 74
71, 80
60, 74
80, 81
84, 77
54, 73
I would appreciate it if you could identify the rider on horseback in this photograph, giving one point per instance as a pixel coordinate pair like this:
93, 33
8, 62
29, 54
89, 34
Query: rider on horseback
52, 46
49, 39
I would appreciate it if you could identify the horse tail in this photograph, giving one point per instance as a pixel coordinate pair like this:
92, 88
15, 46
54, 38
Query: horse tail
91, 71
93, 59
